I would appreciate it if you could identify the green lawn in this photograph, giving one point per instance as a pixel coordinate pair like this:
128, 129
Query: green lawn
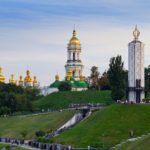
60, 100
7, 146
16, 126
142, 144
108, 126
2, 145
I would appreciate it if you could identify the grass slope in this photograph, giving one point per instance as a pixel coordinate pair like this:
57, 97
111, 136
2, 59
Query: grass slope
109, 126
142, 144
14, 126
60, 100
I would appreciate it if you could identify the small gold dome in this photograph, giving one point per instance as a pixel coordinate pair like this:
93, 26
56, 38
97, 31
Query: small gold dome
20, 82
12, 80
28, 78
34, 79
136, 33
81, 77
74, 40
57, 77
68, 78
2, 78
69, 73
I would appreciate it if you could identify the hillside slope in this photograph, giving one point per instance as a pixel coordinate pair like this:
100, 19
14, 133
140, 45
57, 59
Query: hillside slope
109, 126
60, 100
14, 126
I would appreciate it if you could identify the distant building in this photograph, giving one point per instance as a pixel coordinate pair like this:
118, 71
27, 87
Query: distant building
74, 68
12, 80
136, 79
74, 62
27, 82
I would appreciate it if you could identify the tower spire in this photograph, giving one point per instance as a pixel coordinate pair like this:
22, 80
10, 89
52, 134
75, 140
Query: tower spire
136, 33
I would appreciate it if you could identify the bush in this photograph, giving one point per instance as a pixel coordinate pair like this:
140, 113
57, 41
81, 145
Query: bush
65, 86
40, 133
24, 133
4, 110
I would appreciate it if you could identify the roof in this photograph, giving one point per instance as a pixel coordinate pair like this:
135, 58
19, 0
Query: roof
55, 84
74, 84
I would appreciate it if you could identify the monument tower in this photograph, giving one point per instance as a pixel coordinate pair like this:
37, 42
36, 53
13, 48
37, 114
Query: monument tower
74, 62
136, 81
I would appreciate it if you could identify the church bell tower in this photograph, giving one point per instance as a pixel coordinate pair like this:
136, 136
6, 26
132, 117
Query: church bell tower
136, 81
74, 62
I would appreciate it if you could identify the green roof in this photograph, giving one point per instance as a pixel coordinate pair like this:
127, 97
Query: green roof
73, 82
55, 84
81, 84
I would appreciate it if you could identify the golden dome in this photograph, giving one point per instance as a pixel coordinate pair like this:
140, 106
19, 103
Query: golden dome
12, 80
2, 78
57, 77
68, 78
34, 80
74, 40
28, 78
136, 33
69, 73
20, 81
81, 77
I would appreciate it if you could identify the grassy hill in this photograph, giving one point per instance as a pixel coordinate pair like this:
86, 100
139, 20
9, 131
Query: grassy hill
142, 144
15, 126
60, 100
108, 126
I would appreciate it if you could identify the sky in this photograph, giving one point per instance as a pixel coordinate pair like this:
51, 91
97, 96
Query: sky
34, 34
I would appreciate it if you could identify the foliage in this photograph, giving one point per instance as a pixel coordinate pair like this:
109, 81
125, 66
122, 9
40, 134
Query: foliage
116, 74
7, 147
32, 93
11, 88
40, 133
64, 86
24, 133
108, 126
25, 126
147, 78
94, 78
4, 110
61, 100
15, 98
104, 82
3, 145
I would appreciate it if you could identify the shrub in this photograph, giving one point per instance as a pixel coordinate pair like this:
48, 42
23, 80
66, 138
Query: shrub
40, 133
65, 86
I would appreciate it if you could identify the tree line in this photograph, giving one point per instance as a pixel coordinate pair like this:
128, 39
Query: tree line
115, 79
15, 98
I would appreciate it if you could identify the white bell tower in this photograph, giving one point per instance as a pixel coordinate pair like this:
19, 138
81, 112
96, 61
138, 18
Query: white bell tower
74, 62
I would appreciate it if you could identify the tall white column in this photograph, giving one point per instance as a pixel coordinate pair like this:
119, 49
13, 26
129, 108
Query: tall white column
136, 81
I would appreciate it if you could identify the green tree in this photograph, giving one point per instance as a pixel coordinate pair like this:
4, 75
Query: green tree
104, 81
116, 75
4, 110
32, 93
94, 78
65, 86
147, 78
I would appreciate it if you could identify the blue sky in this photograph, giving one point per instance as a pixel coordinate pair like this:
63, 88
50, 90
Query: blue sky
34, 34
